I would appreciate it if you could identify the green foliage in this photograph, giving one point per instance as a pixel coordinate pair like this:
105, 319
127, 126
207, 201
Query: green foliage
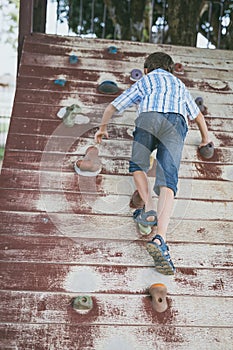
9, 16
2, 150
132, 20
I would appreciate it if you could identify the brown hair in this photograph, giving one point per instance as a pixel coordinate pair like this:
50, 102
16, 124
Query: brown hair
159, 60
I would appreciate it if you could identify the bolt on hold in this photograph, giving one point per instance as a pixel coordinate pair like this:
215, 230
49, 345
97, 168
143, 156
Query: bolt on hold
73, 59
135, 74
178, 68
82, 303
112, 49
200, 103
60, 82
158, 291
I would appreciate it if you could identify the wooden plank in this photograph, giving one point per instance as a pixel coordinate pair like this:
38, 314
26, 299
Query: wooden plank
108, 184
81, 82
70, 270
124, 253
210, 69
90, 96
59, 162
26, 126
121, 310
53, 47
190, 52
44, 111
157, 336
215, 103
85, 203
58, 147
97, 227
124, 52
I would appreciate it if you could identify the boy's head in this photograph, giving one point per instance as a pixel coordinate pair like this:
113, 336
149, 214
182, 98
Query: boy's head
158, 60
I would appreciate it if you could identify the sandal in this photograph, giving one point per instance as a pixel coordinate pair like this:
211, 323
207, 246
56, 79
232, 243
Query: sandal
161, 256
140, 216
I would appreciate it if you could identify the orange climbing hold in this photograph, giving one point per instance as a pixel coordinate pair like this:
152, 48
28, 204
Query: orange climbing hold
158, 291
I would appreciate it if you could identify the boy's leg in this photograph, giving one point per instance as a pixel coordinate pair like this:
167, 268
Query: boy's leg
157, 247
143, 187
164, 210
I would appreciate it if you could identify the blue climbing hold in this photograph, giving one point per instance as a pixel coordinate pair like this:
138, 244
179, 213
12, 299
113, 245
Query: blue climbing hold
73, 59
60, 82
112, 49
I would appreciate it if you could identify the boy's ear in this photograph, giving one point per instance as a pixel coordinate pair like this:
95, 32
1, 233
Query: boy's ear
145, 70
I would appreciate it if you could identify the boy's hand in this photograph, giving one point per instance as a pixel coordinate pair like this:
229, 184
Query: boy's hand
203, 144
100, 134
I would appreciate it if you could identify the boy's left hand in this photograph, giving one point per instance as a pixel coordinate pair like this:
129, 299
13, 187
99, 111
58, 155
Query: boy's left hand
100, 134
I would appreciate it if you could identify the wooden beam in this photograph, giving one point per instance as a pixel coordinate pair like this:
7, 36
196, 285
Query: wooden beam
39, 16
25, 23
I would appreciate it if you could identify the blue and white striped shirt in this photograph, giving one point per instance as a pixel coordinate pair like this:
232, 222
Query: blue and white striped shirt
158, 91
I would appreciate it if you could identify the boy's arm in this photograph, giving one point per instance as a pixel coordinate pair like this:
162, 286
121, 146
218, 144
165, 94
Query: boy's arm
108, 113
201, 123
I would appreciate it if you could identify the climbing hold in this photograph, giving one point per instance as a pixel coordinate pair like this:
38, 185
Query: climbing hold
81, 119
70, 115
108, 87
82, 303
112, 49
73, 59
218, 85
199, 102
158, 291
136, 200
178, 68
135, 74
90, 165
45, 220
207, 151
60, 82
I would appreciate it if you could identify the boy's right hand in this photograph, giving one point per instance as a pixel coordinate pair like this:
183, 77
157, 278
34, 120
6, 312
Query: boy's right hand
100, 134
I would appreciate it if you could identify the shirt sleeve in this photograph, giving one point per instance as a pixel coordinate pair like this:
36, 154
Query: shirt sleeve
127, 99
191, 106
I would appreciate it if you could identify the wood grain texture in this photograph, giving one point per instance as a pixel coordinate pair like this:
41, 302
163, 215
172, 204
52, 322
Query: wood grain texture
158, 336
63, 235
60, 225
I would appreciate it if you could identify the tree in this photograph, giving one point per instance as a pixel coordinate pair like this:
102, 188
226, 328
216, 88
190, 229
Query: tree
9, 16
167, 21
182, 17
210, 16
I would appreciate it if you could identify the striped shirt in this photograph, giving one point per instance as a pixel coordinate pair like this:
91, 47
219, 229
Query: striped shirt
158, 91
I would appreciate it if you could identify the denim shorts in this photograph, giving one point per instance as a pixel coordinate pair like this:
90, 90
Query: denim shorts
164, 132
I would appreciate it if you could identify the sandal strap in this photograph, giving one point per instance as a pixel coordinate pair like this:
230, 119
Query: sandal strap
137, 212
145, 215
164, 248
163, 245
160, 238
140, 216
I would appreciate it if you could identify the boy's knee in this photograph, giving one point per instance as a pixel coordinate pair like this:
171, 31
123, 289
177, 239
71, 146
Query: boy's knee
169, 188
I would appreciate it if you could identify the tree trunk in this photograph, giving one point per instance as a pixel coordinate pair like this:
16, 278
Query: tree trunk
183, 17
127, 18
39, 15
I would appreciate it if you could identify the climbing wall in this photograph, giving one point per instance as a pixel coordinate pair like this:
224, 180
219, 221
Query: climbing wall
75, 273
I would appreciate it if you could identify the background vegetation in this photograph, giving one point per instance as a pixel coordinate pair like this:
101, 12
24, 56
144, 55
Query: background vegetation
175, 22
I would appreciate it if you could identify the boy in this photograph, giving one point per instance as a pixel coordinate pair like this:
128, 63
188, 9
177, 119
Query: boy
164, 104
